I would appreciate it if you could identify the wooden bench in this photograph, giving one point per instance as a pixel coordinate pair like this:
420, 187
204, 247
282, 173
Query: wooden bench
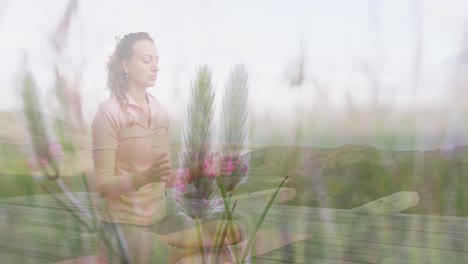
41, 229
36, 229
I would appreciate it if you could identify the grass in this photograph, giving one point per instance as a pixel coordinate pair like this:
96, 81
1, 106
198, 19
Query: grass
343, 177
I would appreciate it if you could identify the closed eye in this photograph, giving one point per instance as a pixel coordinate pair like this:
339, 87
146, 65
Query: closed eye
148, 58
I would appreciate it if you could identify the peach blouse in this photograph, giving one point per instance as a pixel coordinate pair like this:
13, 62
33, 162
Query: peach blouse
126, 143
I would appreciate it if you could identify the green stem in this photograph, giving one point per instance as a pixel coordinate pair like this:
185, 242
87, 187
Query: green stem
261, 219
90, 200
75, 215
200, 240
72, 212
227, 210
226, 205
220, 228
219, 247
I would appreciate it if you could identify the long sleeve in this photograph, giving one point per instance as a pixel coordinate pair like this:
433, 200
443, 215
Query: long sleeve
124, 147
105, 139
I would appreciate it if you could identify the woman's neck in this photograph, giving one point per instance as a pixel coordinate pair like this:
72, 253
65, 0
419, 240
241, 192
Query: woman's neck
138, 94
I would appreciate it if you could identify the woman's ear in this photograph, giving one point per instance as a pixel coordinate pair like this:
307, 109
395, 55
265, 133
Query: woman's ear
126, 66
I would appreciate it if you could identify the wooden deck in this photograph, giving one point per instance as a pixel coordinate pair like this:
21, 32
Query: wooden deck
37, 229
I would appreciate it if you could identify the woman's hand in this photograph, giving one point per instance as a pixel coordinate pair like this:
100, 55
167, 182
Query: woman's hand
160, 171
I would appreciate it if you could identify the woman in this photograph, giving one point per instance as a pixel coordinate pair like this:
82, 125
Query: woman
131, 158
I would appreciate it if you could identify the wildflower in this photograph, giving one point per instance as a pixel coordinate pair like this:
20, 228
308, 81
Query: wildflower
245, 168
32, 165
232, 166
55, 150
180, 186
209, 168
43, 161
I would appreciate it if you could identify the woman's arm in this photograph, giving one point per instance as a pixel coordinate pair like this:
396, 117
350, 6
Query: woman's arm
113, 185
109, 184
105, 140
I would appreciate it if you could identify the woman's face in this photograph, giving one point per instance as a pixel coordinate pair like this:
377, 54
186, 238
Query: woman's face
143, 65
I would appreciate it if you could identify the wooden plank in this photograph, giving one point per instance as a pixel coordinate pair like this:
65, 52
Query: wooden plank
91, 200
416, 254
369, 224
279, 214
331, 252
30, 254
351, 235
48, 201
26, 213
329, 255
389, 205
33, 216
458, 225
363, 232
280, 257
91, 203
438, 224
263, 197
47, 243
14, 258
339, 236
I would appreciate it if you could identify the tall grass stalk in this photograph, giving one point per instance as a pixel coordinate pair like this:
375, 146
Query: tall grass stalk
253, 236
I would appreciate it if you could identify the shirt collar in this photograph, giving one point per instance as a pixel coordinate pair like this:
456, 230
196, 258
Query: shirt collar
132, 101
154, 105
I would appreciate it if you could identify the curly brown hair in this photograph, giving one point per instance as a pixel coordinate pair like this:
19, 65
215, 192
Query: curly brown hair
117, 81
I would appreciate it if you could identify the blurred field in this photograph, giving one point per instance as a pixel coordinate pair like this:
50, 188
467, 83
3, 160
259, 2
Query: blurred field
349, 176
339, 177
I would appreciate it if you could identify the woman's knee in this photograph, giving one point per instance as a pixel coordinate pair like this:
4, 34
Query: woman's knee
130, 244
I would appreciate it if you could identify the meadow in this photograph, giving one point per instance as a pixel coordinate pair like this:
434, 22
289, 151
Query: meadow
343, 176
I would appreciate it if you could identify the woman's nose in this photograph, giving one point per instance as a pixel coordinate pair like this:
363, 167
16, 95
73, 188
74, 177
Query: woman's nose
154, 67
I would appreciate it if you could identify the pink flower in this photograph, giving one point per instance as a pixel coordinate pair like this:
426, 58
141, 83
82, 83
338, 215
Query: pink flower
32, 165
245, 168
183, 176
178, 183
181, 188
43, 161
55, 150
229, 165
209, 168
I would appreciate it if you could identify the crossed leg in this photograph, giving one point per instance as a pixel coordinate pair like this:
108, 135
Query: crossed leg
188, 238
167, 241
120, 243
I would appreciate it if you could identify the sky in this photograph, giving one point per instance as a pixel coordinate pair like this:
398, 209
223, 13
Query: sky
338, 39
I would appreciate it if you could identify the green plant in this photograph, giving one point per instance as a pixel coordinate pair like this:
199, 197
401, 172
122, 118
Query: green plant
204, 169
